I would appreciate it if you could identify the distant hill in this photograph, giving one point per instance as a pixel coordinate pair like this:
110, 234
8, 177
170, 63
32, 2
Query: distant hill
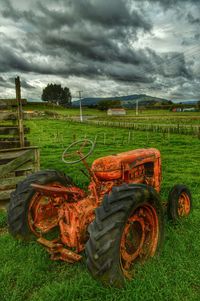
128, 101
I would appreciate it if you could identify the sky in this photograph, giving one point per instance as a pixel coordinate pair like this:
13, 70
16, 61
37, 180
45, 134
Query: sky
101, 47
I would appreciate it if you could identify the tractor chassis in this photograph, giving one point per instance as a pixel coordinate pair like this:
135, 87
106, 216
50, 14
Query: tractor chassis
73, 218
58, 251
118, 221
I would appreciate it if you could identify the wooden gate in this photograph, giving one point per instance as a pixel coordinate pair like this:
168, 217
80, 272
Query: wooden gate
17, 157
15, 165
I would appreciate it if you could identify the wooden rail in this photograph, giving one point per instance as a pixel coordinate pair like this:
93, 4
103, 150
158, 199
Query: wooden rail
17, 159
15, 165
163, 128
182, 129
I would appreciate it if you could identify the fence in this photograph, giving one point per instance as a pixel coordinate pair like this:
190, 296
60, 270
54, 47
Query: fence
168, 128
182, 129
17, 157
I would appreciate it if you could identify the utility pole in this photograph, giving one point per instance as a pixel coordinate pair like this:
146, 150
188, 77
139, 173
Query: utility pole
136, 108
81, 114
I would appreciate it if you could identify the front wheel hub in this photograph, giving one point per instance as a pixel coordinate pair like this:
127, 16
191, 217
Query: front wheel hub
183, 204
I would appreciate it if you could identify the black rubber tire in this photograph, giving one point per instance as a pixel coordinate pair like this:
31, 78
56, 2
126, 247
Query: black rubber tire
103, 246
172, 206
21, 197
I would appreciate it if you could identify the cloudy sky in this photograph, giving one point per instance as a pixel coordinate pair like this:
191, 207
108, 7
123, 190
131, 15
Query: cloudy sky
101, 47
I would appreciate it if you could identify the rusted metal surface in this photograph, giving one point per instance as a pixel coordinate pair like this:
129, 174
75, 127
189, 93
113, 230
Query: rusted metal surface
74, 219
137, 166
58, 252
58, 190
183, 204
140, 237
71, 210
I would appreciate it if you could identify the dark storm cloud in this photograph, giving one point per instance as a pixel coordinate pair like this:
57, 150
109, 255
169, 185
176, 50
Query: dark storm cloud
174, 65
173, 3
96, 48
3, 82
183, 88
99, 66
10, 82
197, 36
26, 85
42, 19
99, 12
10, 61
85, 47
192, 19
78, 11
128, 75
90, 39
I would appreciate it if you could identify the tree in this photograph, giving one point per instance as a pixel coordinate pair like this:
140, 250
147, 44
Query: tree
56, 94
107, 104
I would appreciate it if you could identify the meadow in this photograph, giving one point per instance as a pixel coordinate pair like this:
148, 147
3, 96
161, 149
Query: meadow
28, 274
163, 118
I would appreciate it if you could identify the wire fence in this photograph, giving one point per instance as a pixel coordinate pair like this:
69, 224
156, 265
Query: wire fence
184, 129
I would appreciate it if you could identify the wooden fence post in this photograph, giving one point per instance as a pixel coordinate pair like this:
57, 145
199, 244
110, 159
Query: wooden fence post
19, 110
129, 137
104, 140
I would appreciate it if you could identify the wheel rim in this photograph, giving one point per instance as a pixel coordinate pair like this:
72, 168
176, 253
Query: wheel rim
140, 237
43, 212
183, 204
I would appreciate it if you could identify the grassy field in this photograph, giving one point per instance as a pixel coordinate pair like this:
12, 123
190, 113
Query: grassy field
94, 112
27, 273
188, 121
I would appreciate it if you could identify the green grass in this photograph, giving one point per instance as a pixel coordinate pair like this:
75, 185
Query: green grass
161, 117
64, 111
156, 119
26, 271
96, 112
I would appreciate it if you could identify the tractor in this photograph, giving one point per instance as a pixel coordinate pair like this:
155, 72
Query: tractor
118, 221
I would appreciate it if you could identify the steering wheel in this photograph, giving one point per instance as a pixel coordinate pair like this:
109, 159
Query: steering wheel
79, 151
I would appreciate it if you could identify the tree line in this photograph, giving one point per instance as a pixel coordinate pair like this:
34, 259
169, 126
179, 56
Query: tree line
57, 94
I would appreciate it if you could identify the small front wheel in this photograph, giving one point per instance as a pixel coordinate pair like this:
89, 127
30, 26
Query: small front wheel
179, 202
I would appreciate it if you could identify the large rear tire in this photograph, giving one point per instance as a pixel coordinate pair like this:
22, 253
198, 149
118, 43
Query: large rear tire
21, 198
128, 227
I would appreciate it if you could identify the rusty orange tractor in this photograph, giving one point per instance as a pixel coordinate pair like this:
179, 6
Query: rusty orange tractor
118, 221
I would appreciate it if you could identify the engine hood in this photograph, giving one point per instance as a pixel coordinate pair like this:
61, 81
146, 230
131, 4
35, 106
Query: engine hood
110, 167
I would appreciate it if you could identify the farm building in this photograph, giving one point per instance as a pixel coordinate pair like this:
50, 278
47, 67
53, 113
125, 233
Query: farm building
116, 112
177, 110
182, 109
189, 110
